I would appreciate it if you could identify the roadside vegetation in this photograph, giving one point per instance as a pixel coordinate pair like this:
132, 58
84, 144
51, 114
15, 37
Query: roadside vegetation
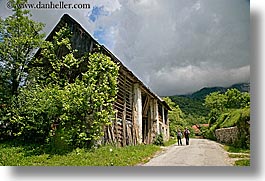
229, 109
225, 109
241, 156
171, 141
159, 141
13, 153
34, 155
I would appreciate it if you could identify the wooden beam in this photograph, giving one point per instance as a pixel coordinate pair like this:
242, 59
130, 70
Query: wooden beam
146, 105
124, 118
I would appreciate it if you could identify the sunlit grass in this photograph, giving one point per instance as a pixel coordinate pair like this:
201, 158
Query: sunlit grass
245, 162
242, 155
235, 149
171, 141
232, 155
103, 156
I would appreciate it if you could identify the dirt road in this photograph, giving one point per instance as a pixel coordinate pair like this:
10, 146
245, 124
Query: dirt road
200, 152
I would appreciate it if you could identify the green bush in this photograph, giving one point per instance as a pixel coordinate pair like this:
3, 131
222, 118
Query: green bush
243, 126
62, 105
231, 119
209, 134
79, 111
159, 140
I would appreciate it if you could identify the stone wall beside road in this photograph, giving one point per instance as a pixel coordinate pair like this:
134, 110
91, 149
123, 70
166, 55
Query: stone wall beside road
227, 135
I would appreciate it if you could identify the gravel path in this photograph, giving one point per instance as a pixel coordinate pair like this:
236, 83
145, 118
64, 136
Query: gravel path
200, 152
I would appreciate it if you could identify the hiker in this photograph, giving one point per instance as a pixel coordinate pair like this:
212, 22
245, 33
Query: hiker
179, 136
187, 135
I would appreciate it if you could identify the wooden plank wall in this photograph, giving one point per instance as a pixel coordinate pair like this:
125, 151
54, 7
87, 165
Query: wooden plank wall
122, 131
147, 121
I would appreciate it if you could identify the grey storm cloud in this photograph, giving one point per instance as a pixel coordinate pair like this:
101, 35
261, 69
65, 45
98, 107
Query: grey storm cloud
173, 46
180, 46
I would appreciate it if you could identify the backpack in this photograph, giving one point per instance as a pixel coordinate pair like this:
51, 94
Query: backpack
179, 134
187, 132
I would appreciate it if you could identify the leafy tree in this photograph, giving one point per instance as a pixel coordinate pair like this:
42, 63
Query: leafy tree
175, 117
245, 100
194, 119
237, 99
20, 36
57, 98
231, 99
216, 102
64, 109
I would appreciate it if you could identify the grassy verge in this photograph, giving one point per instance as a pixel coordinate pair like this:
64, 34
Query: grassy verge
243, 162
236, 150
233, 155
171, 141
241, 156
103, 156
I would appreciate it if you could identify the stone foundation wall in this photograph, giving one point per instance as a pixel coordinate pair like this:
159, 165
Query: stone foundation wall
227, 135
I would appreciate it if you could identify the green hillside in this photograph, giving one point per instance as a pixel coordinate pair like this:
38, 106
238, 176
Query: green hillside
193, 103
190, 106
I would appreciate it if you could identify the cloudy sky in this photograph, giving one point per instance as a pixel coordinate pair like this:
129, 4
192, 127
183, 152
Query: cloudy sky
173, 46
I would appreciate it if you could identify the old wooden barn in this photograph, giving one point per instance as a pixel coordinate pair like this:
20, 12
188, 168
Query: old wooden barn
141, 114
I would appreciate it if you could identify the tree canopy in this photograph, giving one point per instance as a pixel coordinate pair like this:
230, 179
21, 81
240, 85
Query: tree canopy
20, 36
219, 103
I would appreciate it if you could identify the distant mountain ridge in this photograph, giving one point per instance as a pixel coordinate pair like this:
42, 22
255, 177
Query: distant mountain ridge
193, 103
202, 93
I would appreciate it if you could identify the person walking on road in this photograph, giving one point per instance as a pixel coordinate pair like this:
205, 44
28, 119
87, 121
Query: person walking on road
187, 135
179, 137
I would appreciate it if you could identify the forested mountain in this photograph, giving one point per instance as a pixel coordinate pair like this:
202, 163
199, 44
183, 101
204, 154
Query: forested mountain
193, 103
201, 94
190, 105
